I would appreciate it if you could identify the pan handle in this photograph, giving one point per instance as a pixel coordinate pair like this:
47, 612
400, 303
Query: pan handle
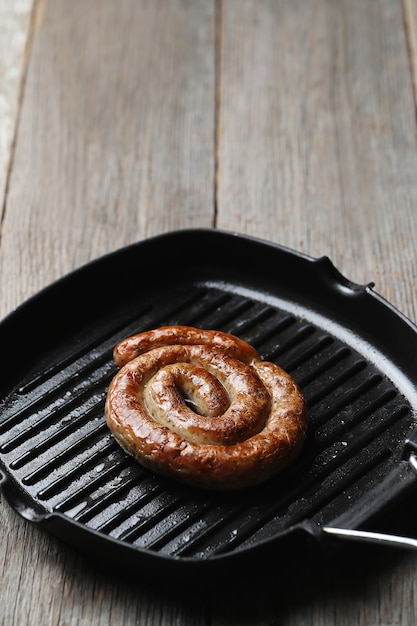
374, 537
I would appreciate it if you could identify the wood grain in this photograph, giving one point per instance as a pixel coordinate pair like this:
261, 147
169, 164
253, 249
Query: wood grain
116, 139
14, 38
317, 139
410, 21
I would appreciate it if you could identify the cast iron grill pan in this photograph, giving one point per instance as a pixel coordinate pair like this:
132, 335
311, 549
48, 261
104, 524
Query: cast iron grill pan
350, 351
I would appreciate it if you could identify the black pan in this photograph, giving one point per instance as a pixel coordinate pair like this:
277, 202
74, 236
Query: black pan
351, 352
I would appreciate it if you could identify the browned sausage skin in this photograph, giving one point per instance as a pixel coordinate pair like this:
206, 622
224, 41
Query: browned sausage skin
133, 346
202, 407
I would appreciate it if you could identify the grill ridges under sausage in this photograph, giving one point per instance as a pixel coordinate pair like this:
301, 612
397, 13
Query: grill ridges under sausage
55, 440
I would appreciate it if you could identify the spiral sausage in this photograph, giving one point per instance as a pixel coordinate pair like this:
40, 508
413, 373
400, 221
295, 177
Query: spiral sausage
202, 407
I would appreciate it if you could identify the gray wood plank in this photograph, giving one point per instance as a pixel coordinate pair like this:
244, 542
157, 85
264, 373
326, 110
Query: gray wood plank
317, 140
116, 136
15, 20
410, 20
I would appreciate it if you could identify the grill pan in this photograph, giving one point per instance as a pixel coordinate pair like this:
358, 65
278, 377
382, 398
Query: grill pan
351, 352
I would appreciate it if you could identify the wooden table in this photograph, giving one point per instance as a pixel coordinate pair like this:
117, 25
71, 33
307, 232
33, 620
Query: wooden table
289, 120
